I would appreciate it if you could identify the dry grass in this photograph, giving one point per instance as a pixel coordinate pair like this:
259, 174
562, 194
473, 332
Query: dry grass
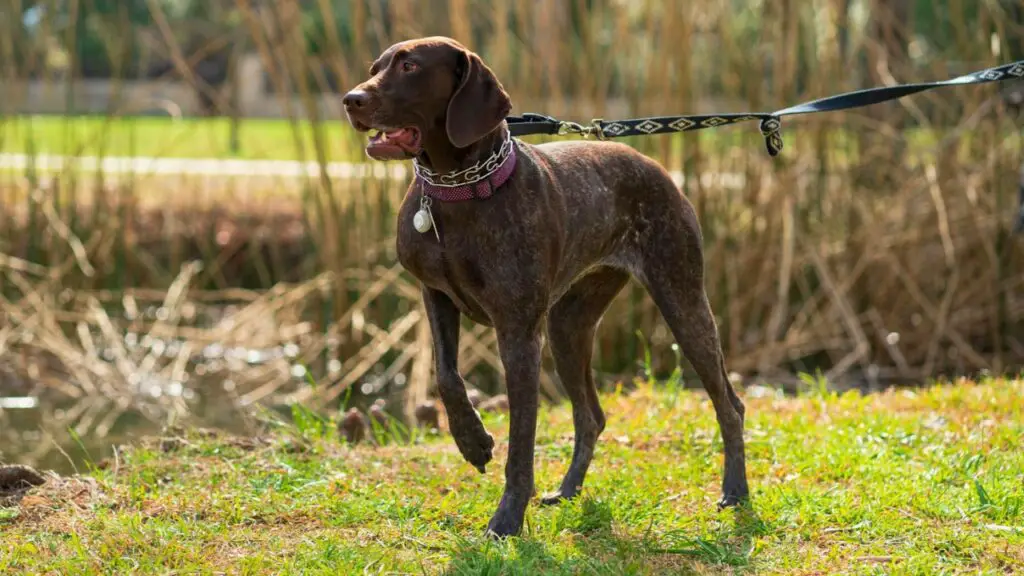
845, 254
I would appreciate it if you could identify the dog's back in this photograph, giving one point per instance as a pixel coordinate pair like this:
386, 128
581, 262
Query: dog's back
615, 201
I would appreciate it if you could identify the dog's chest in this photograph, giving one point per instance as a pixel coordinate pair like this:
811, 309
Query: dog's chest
422, 254
446, 264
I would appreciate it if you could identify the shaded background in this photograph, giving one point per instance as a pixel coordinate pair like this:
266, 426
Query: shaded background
253, 263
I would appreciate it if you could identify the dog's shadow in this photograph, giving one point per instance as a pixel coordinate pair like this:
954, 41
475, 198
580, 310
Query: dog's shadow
598, 549
729, 546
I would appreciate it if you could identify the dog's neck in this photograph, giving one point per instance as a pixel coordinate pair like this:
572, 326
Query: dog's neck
473, 172
441, 157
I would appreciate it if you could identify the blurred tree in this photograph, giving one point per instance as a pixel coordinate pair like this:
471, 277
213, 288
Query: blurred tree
319, 18
103, 36
44, 26
103, 43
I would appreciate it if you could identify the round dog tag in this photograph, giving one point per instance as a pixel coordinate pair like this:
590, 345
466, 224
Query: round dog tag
421, 221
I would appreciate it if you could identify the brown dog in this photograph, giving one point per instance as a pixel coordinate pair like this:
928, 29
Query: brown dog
512, 234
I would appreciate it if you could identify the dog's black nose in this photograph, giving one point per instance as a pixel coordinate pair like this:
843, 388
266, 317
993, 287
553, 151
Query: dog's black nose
356, 99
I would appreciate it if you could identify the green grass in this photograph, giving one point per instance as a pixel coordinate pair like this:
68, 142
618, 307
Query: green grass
163, 137
925, 482
275, 139
260, 139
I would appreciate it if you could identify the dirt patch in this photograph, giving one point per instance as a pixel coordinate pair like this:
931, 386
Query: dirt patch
40, 495
16, 481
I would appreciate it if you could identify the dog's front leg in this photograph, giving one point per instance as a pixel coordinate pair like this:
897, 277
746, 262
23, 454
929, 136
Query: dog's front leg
464, 423
520, 354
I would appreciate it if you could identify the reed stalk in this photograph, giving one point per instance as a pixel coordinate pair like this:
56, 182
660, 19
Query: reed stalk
866, 251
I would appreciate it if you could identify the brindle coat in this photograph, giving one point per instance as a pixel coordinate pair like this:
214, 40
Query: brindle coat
557, 242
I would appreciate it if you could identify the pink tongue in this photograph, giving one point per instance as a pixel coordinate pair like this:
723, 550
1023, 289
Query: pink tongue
403, 136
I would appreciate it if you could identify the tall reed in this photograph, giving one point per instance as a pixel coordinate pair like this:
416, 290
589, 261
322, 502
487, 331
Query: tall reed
877, 246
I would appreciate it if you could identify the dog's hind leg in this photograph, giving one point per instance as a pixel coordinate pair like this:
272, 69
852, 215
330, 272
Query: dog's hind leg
572, 322
673, 272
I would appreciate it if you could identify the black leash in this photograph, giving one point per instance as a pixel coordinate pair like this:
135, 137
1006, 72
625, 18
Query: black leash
771, 123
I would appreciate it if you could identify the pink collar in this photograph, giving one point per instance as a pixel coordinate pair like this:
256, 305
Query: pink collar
478, 181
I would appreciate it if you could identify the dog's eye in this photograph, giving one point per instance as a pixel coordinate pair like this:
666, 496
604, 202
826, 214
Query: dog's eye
408, 66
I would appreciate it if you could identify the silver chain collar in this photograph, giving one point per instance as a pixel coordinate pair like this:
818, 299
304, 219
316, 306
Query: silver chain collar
478, 172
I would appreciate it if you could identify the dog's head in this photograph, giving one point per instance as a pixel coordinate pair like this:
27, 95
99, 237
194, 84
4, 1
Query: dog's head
430, 94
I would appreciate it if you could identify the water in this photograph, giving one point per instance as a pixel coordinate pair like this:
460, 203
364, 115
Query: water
65, 409
67, 435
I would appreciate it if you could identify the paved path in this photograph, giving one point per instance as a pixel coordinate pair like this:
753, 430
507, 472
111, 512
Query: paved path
144, 166
229, 168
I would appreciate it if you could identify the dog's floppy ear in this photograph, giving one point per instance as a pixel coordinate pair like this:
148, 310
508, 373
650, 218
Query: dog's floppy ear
478, 105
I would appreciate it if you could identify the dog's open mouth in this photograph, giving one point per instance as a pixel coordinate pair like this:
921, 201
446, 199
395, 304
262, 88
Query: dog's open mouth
399, 144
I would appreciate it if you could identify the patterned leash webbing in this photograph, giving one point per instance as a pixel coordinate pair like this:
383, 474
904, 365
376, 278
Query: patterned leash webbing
771, 123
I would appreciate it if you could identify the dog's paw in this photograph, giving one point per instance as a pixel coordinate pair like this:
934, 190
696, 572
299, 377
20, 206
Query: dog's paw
734, 491
553, 498
558, 496
730, 500
502, 526
477, 447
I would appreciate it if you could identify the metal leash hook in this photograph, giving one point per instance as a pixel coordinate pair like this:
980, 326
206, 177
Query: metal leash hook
568, 127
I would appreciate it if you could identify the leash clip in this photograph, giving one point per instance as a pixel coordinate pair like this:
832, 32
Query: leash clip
566, 127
